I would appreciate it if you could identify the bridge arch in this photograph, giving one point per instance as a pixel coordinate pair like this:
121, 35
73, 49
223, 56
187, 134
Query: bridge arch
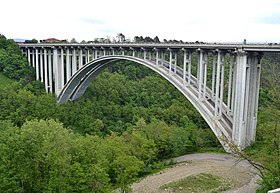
204, 80
80, 81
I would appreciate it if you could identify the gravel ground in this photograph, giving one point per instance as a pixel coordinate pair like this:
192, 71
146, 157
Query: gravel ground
241, 174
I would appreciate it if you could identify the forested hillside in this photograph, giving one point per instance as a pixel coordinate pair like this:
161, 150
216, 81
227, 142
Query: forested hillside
127, 122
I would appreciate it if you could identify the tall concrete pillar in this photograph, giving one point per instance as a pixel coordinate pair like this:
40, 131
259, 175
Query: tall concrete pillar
87, 55
74, 61
157, 57
184, 66
29, 56
33, 58
68, 65
145, 55
170, 61
253, 97
133, 52
233, 85
214, 75
200, 73
217, 84
37, 64
93, 54
222, 84
56, 71
189, 61
62, 66
80, 58
41, 66
96, 53
175, 62
238, 132
230, 84
205, 60
50, 68
46, 69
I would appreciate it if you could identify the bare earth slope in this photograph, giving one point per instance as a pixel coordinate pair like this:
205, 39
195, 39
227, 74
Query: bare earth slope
241, 174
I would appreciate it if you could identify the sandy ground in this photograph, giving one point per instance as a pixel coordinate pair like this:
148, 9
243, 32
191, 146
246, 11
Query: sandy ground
241, 174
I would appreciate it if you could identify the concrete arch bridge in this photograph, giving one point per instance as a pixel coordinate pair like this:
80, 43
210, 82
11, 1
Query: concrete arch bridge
220, 80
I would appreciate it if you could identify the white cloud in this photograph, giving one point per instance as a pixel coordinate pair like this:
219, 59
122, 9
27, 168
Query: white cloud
204, 20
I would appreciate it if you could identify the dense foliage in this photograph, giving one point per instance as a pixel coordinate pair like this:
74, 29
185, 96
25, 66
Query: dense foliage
12, 64
128, 120
125, 124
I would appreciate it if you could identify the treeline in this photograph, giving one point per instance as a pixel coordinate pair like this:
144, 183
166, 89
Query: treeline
12, 64
127, 122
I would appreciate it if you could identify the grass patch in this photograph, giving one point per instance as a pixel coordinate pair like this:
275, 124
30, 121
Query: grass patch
4, 81
198, 183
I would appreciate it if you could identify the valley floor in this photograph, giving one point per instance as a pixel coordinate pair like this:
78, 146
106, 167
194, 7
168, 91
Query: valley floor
242, 176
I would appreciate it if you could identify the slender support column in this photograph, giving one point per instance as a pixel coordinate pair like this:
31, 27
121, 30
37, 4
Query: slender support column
62, 66
80, 58
229, 84
57, 72
93, 54
74, 62
33, 58
41, 66
200, 74
123, 52
234, 85
96, 54
87, 56
37, 64
46, 69
213, 75
145, 55
162, 58
205, 75
175, 62
198, 67
238, 119
28, 56
189, 67
217, 84
170, 62
133, 53
113, 52
68, 65
157, 57
253, 97
248, 101
50, 67
184, 67
222, 84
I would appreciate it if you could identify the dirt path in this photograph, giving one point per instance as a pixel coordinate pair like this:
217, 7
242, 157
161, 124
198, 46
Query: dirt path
241, 174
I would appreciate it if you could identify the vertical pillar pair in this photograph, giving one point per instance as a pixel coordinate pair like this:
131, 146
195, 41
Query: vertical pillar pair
246, 98
172, 61
202, 74
219, 83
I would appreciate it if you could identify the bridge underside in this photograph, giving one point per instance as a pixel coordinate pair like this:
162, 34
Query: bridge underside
223, 85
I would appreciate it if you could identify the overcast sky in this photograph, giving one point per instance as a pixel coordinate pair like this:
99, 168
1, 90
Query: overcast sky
187, 20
